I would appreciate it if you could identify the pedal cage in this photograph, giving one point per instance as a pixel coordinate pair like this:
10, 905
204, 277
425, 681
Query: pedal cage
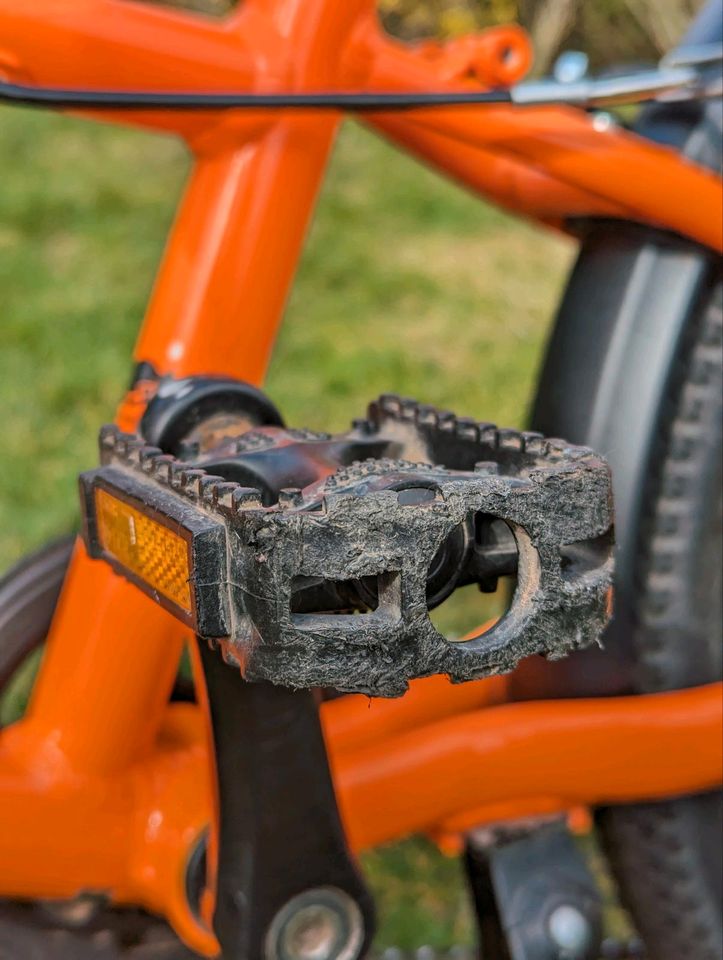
308, 529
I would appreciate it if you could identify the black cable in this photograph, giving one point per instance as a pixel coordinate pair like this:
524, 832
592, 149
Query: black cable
52, 97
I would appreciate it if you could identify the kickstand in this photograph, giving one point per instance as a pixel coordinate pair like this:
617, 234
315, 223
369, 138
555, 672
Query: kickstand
533, 894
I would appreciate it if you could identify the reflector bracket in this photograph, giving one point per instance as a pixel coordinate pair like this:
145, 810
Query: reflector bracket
163, 542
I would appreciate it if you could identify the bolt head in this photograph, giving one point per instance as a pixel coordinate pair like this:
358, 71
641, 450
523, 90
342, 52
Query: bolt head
319, 924
571, 66
570, 931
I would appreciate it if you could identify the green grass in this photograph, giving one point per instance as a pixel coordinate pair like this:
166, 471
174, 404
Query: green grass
407, 284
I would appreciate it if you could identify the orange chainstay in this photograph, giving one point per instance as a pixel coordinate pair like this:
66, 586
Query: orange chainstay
102, 785
441, 759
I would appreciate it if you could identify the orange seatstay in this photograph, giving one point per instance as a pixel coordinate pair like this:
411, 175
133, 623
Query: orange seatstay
102, 785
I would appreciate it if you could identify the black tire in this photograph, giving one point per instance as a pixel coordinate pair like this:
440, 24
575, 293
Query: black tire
667, 856
635, 368
28, 596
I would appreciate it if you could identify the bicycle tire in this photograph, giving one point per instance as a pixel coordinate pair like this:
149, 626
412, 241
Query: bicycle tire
651, 289
667, 855
28, 595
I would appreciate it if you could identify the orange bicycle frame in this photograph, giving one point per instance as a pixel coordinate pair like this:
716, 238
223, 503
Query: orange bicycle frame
104, 786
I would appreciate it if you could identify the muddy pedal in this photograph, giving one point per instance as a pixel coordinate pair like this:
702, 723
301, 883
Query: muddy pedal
290, 535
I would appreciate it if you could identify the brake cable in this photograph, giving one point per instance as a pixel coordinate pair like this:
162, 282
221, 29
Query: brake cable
24, 95
675, 80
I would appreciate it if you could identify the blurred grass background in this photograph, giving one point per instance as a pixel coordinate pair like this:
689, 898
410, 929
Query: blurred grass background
608, 30
407, 284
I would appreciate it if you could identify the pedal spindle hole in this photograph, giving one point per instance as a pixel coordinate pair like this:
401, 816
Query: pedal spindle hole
488, 566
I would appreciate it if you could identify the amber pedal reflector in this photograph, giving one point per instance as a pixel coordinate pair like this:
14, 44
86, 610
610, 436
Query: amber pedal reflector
149, 550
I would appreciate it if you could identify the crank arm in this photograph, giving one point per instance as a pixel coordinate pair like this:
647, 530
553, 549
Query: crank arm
285, 876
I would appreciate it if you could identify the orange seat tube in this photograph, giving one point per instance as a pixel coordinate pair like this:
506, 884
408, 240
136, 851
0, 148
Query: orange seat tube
233, 252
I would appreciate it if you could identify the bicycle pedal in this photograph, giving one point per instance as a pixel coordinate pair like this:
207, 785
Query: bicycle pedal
313, 560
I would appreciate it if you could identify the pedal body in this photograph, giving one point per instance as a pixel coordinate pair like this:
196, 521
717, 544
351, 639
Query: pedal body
314, 559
